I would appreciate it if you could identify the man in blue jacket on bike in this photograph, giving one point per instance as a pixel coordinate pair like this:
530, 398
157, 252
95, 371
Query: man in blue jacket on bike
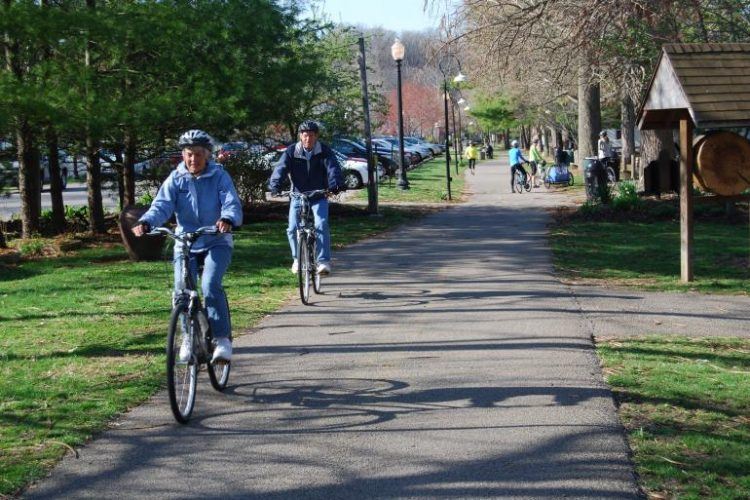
311, 165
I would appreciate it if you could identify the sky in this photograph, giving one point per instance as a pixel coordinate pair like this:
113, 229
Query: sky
396, 15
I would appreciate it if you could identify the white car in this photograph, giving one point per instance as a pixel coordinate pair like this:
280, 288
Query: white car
355, 171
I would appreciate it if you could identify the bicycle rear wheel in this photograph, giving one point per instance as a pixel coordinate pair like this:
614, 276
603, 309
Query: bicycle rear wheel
316, 277
181, 376
303, 269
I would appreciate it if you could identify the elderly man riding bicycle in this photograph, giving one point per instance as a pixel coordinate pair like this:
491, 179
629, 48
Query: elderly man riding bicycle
311, 165
200, 193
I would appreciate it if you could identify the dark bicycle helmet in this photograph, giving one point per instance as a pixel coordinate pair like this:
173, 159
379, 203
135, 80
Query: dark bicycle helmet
195, 138
308, 126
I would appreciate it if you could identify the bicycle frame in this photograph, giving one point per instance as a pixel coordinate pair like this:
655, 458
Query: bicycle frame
188, 296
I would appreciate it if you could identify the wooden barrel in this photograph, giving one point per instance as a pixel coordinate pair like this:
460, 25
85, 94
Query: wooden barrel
722, 163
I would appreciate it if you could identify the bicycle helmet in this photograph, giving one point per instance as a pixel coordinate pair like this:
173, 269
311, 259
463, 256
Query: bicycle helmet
308, 126
195, 138
514, 143
603, 133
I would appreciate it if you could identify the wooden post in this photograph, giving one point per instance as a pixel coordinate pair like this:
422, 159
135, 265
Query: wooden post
686, 200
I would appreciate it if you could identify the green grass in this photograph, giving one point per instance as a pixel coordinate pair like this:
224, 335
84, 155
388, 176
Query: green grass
685, 405
427, 184
647, 254
83, 334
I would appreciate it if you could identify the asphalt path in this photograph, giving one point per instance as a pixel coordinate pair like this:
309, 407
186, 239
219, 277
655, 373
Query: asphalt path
444, 360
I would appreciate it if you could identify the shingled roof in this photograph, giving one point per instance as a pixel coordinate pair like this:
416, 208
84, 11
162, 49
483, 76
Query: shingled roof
709, 82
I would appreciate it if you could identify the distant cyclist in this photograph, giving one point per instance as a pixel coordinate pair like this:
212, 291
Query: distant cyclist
516, 160
200, 193
311, 165
536, 159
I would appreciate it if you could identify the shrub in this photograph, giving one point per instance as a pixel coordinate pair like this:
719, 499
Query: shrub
34, 247
627, 197
250, 172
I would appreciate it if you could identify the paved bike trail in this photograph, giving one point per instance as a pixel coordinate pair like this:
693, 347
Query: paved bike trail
444, 360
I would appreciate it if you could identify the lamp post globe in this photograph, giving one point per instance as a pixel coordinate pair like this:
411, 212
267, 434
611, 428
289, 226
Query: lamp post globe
398, 51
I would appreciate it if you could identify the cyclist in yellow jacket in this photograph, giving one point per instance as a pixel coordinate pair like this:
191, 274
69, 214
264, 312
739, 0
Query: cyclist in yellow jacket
471, 153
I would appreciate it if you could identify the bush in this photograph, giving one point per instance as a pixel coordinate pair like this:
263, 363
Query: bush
626, 198
34, 247
250, 172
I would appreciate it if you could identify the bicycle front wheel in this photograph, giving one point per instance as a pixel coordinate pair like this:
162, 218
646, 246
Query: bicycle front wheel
218, 373
182, 376
315, 276
303, 268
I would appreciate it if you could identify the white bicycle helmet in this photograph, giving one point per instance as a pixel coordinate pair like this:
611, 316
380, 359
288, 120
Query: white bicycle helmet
514, 143
195, 137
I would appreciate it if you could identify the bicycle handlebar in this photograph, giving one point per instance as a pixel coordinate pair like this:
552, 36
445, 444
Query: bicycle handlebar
183, 237
304, 193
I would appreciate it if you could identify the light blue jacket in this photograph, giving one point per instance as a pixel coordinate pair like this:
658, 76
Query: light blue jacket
197, 202
515, 156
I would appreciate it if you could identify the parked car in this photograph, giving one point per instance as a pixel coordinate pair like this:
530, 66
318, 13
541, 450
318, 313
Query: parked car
355, 171
435, 148
10, 169
149, 165
416, 156
231, 148
352, 148
424, 151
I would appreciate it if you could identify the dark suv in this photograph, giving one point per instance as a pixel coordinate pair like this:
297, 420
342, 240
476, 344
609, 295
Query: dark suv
352, 148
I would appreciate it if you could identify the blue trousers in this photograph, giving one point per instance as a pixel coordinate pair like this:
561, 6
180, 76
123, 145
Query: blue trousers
320, 213
217, 259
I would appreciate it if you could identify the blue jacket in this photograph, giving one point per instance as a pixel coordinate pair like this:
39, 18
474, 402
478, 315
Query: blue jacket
515, 156
322, 171
197, 202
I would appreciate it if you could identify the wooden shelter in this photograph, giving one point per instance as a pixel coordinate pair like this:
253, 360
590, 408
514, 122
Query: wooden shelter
703, 86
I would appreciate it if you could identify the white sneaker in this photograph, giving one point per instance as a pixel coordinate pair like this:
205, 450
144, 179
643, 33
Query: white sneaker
324, 268
186, 349
223, 350
295, 266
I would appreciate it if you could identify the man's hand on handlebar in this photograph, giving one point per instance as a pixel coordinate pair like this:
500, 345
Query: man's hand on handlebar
223, 226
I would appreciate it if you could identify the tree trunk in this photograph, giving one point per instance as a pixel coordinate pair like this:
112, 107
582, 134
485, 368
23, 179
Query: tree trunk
658, 146
94, 186
118, 166
128, 169
29, 180
55, 182
628, 130
589, 113
506, 139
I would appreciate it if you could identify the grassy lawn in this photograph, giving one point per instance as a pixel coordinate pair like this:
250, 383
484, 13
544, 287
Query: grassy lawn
647, 254
426, 184
83, 334
685, 405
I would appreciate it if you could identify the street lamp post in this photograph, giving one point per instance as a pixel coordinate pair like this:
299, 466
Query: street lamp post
397, 51
446, 66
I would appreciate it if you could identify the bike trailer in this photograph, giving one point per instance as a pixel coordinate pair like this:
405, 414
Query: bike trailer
558, 173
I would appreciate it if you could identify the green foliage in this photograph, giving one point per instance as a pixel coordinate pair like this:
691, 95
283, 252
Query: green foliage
79, 216
250, 173
32, 247
626, 197
495, 113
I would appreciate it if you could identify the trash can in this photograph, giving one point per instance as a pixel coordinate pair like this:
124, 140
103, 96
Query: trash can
595, 176
482, 155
